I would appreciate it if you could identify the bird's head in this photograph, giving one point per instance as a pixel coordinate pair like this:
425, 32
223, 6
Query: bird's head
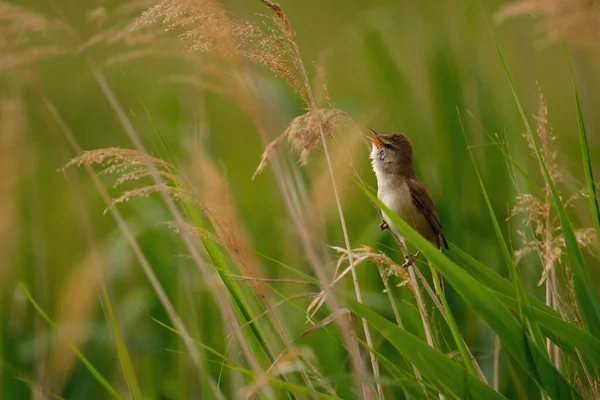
392, 153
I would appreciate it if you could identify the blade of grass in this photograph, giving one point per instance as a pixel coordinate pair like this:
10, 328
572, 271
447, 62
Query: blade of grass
511, 332
241, 304
585, 153
515, 277
227, 362
586, 298
227, 309
122, 352
532, 184
548, 318
458, 339
448, 376
215, 255
90, 367
407, 381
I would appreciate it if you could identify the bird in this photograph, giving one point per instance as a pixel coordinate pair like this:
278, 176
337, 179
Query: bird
399, 188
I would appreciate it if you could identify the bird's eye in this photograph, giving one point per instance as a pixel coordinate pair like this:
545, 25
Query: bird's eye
387, 145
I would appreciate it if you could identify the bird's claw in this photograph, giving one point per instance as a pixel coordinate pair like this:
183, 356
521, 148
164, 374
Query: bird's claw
383, 225
410, 259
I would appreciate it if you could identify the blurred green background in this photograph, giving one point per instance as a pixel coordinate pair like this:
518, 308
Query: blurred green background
395, 66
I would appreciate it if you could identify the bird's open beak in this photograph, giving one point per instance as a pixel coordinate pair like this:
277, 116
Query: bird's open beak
376, 140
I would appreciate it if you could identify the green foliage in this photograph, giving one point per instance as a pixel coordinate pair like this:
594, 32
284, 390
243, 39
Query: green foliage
512, 333
74, 329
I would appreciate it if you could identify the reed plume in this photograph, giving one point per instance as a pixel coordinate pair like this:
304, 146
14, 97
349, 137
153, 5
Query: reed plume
577, 21
27, 36
130, 166
537, 212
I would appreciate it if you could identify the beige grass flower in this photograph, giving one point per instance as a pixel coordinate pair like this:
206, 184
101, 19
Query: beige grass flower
303, 134
578, 21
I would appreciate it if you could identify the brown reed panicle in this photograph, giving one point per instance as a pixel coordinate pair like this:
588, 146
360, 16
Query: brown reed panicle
123, 40
304, 134
215, 199
537, 213
27, 36
577, 21
129, 166
12, 128
207, 27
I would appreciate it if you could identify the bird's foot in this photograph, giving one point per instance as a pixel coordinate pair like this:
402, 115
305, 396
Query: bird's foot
383, 225
410, 259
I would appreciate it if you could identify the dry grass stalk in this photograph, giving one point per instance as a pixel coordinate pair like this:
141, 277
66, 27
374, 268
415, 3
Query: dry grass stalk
575, 20
275, 49
216, 202
215, 198
129, 236
285, 27
207, 27
223, 300
321, 202
12, 128
358, 255
384, 277
546, 237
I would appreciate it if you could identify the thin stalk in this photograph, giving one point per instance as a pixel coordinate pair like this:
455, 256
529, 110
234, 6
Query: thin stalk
287, 191
349, 341
223, 302
399, 323
442, 311
103, 381
233, 290
148, 271
460, 342
313, 107
556, 306
497, 346
414, 283
421, 306
549, 303
548, 264
374, 361
416, 291
290, 347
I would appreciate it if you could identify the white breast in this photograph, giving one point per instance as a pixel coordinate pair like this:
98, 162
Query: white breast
396, 195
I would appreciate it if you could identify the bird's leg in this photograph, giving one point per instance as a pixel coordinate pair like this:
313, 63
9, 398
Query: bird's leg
383, 225
410, 259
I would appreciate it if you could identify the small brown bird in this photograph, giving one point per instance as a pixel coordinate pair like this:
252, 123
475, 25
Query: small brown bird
400, 190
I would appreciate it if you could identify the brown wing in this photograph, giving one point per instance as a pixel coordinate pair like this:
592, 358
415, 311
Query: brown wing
425, 204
